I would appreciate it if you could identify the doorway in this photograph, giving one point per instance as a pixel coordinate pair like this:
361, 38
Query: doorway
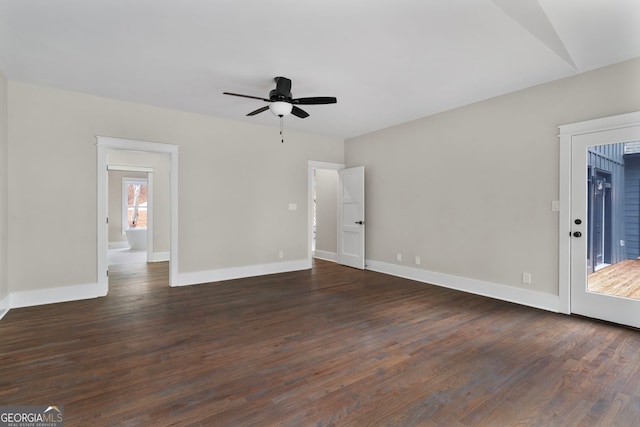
131, 214
107, 145
323, 210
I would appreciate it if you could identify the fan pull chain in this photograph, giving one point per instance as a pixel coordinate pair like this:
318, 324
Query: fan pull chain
281, 129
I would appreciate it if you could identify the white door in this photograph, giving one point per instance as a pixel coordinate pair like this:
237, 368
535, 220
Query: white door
351, 223
599, 222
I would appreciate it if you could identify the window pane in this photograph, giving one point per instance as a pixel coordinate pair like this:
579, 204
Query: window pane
137, 205
131, 194
142, 217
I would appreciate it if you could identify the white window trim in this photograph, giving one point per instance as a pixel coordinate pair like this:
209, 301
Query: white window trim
125, 208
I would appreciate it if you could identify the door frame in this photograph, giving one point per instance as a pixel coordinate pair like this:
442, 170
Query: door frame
104, 144
566, 134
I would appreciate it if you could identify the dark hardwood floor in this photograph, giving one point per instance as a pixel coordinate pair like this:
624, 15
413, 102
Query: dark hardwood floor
329, 346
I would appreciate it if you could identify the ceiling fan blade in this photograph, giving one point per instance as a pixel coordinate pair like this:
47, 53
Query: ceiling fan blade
246, 96
315, 100
299, 112
258, 111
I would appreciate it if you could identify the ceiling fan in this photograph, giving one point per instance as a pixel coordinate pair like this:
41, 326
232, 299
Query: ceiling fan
281, 102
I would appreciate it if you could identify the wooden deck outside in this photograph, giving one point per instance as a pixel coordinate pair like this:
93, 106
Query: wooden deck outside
621, 279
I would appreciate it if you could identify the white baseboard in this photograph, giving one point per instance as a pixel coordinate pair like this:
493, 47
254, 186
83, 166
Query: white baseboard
325, 255
119, 245
54, 295
5, 306
198, 277
526, 297
160, 256
502, 292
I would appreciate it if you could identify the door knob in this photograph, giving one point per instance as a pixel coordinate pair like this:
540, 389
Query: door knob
360, 222
577, 234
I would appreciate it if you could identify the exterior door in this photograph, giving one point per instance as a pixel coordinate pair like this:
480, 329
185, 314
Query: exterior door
351, 225
598, 212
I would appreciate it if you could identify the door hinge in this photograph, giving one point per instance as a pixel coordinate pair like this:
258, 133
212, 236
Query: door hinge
107, 220
107, 273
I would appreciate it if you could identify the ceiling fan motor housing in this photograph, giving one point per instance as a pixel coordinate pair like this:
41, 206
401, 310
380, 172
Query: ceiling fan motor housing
275, 96
282, 91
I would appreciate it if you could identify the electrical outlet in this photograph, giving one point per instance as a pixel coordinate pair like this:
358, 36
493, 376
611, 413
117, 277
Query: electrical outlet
280, 254
399, 257
417, 260
526, 278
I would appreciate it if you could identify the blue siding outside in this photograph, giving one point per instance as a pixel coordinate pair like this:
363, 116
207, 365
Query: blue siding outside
609, 159
632, 205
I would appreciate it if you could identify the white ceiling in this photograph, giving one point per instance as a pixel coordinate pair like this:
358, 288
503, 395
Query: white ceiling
387, 61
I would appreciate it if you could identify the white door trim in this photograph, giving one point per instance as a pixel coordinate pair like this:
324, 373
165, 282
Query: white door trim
566, 134
104, 144
311, 166
115, 167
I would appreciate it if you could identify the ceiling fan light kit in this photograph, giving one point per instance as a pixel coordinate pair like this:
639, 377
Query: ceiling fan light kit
280, 108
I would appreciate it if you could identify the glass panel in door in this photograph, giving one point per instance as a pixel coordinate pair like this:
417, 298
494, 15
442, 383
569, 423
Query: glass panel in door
613, 219
605, 238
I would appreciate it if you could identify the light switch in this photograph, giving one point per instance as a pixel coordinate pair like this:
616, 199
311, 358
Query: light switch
293, 207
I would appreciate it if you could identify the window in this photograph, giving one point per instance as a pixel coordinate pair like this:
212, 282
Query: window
134, 203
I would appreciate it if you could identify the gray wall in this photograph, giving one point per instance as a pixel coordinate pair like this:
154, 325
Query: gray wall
327, 211
236, 182
470, 190
4, 196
